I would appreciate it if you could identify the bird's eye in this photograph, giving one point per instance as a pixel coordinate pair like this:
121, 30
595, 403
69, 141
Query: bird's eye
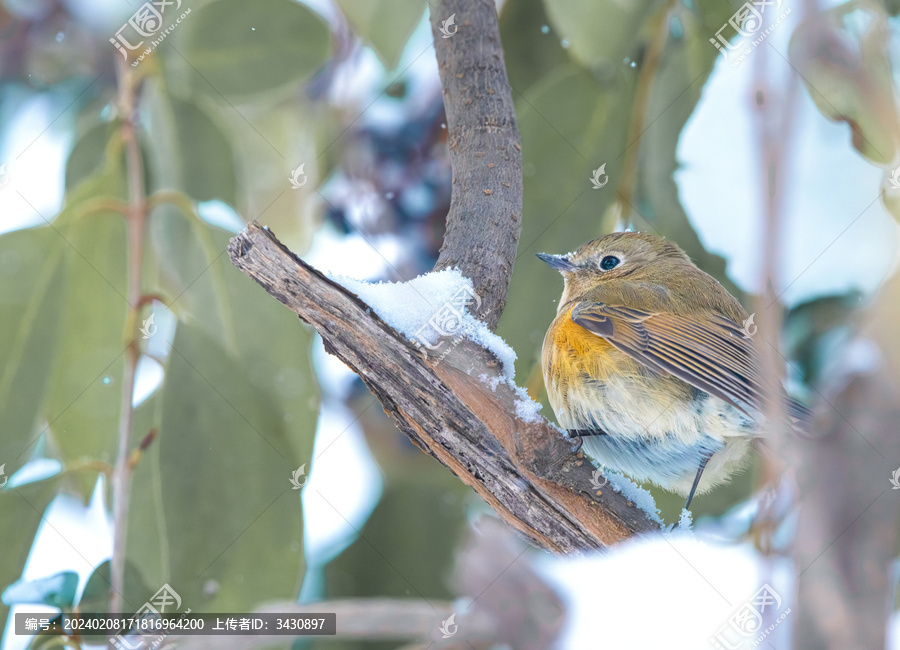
609, 262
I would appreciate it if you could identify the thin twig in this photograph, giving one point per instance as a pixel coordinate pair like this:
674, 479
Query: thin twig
137, 214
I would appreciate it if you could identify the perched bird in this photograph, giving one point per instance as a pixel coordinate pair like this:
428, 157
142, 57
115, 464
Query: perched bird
650, 360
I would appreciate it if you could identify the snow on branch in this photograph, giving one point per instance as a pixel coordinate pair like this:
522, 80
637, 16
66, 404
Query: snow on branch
458, 406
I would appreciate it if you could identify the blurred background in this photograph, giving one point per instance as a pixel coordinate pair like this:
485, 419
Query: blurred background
135, 140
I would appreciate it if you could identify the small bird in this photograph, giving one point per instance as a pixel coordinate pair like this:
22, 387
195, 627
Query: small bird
647, 360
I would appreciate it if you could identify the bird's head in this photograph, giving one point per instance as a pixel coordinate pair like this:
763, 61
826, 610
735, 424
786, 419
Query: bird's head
632, 257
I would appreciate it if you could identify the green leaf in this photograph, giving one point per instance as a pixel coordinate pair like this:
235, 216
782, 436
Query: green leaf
89, 154
225, 458
684, 67
242, 48
205, 158
601, 33
237, 417
192, 248
56, 591
189, 149
529, 52
25, 507
86, 387
32, 284
95, 597
386, 25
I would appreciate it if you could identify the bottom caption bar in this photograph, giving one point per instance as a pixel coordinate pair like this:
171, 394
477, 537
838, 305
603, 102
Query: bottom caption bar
132, 627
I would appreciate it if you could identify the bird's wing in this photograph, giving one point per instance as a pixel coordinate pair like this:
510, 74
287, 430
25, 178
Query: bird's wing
711, 354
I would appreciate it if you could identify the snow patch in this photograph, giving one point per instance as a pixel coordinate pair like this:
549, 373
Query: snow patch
429, 306
635, 493
527, 409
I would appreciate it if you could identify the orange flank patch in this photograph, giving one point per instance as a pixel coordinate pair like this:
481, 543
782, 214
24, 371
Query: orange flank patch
576, 351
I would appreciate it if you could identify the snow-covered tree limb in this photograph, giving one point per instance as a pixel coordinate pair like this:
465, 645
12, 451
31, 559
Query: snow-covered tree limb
526, 471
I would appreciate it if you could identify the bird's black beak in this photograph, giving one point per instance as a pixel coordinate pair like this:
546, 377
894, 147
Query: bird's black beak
559, 262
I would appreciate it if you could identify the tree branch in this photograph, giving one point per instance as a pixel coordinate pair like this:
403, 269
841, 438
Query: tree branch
526, 471
485, 218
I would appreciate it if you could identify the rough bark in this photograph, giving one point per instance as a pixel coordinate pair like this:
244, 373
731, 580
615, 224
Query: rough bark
485, 218
526, 471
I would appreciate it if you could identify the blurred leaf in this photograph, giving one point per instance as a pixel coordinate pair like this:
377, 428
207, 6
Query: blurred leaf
205, 158
386, 25
395, 555
684, 67
242, 48
236, 420
848, 75
225, 456
601, 33
21, 511
190, 248
86, 388
95, 597
529, 52
56, 591
89, 153
570, 125
147, 546
32, 284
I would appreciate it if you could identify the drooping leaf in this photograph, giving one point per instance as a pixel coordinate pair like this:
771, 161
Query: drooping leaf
386, 25
238, 400
21, 511
190, 150
95, 597
530, 48
242, 48
226, 455
205, 157
32, 284
56, 591
600, 33
848, 75
684, 67
86, 388
191, 248
89, 153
